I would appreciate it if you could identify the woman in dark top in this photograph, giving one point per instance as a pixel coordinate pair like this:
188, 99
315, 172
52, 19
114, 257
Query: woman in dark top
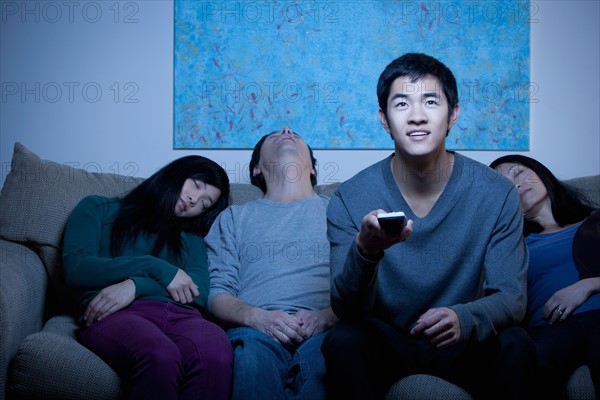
563, 278
139, 265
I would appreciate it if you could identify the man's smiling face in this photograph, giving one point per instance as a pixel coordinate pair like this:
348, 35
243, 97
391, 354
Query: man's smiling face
417, 115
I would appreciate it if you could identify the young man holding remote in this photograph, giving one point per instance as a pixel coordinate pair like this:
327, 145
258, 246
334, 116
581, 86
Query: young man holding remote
443, 295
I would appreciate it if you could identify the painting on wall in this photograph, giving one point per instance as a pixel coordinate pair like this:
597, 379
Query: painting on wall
243, 69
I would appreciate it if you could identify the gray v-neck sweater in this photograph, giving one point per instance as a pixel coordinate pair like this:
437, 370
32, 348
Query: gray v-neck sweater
467, 253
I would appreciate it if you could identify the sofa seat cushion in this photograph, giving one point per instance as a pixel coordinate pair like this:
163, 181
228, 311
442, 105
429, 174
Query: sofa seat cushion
580, 385
52, 364
422, 386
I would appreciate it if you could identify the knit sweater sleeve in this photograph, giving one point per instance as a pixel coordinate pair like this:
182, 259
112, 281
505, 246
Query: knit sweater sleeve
193, 262
353, 277
223, 259
86, 258
504, 298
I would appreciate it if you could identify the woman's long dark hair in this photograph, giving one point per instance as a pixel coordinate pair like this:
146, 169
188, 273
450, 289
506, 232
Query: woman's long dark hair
150, 207
566, 206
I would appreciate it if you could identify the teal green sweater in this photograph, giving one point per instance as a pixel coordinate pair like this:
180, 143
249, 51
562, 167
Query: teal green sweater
89, 267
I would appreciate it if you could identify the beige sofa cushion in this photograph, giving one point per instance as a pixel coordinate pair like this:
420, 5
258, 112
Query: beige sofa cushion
36, 201
38, 196
587, 188
242, 192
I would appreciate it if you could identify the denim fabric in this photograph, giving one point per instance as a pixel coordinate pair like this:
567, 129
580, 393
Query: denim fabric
266, 370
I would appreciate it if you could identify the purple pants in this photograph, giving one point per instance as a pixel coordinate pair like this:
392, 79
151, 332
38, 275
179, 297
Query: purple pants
164, 351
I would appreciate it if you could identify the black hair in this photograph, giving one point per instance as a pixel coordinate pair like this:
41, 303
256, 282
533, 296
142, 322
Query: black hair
259, 180
567, 207
150, 206
416, 66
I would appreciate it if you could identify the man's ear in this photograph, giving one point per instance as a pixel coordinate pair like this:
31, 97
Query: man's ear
453, 117
383, 120
256, 171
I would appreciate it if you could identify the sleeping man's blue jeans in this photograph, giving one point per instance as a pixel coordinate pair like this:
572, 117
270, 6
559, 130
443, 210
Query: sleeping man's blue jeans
264, 369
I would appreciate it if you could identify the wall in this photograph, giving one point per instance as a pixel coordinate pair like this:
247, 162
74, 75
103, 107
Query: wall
90, 83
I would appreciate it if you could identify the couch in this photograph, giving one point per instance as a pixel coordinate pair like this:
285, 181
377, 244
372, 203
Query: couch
40, 357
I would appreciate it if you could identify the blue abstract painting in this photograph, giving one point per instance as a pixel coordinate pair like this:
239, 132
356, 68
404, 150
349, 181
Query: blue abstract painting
243, 69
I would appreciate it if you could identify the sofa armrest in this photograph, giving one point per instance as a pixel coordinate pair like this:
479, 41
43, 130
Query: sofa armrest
23, 284
52, 364
580, 386
422, 386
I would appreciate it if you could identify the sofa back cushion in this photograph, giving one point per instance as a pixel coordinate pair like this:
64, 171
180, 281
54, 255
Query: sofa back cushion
587, 188
241, 193
36, 201
38, 196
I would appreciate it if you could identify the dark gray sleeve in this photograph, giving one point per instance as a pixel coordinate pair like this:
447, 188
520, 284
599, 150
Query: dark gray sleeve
504, 300
353, 277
